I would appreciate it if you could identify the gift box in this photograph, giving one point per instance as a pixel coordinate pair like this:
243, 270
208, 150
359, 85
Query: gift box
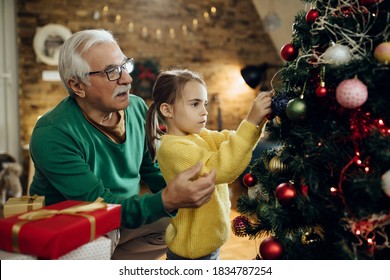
15, 256
18, 205
53, 231
99, 249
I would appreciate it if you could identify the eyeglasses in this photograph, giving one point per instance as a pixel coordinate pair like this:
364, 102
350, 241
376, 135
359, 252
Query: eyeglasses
115, 73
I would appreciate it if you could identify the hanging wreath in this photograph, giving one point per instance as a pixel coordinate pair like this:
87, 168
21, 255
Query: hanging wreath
144, 75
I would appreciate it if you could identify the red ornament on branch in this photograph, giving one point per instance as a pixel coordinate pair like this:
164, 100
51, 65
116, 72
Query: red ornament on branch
285, 192
312, 15
271, 249
249, 180
288, 52
321, 90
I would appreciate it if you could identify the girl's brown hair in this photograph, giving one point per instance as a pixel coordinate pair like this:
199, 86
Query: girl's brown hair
167, 89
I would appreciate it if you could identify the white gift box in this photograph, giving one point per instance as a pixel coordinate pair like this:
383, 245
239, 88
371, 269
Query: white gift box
99, 249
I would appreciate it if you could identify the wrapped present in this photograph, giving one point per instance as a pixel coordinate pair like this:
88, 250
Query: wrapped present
4, 255
18, 205
99, 249
53, 231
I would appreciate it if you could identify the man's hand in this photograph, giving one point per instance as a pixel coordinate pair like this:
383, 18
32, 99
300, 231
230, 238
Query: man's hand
185, 192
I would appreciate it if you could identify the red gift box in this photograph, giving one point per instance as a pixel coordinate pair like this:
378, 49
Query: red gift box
55, 230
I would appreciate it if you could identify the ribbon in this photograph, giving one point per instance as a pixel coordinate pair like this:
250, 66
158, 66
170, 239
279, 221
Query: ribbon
48, 213
30, 201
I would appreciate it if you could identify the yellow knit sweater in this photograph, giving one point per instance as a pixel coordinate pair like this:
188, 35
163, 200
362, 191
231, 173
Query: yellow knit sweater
197, 232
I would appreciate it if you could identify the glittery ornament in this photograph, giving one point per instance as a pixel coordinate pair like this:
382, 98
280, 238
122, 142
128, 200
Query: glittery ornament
296, 109
279, 103
337, 55
386, 182
351, 93
288, 52
312, 236
271, 249
240, 225
382, 52
276, 165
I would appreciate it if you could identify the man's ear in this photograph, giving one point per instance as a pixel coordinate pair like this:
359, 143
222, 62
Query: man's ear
166, 110
76, 87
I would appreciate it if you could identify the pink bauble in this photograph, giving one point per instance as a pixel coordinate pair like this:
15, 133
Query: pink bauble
351, 93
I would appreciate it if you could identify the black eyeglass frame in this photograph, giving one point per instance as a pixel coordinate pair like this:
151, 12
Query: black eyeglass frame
119, 67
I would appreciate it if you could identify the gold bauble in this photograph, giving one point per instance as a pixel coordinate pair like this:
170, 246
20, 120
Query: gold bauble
276, 165
314, 235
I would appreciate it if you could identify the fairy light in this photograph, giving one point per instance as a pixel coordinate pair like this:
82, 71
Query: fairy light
118, 19
130, 27
367, 169
172, 33
158, 33
333, 190
213, 10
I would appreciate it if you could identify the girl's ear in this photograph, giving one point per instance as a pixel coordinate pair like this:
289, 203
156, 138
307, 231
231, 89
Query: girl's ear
166, 110
76, 87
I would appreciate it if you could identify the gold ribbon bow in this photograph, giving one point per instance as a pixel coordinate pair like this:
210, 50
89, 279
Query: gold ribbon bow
48, 213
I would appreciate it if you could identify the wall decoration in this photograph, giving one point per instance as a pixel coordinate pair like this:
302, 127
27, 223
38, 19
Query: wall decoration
47, 42
144, 76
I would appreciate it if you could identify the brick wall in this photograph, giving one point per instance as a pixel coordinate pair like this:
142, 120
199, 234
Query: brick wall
217, 47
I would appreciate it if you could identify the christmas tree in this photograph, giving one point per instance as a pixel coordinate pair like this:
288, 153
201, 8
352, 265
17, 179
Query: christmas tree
323, 190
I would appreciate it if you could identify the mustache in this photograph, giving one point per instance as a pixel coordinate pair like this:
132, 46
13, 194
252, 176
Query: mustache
121, 89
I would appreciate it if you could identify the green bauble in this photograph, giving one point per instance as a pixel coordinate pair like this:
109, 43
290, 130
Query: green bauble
296, 109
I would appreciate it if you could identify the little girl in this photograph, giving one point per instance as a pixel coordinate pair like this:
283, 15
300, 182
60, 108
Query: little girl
180, 101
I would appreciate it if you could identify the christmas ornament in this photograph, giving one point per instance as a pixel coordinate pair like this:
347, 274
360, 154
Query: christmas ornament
321, 90
304, 189
288, 52
296, 109
271, 249
254, 191
314, 235
249, 180
368, 3
285, 192
279, 104
240, 225
312, 15
382, 52
351, 93
276, 165
386, 182
337, 55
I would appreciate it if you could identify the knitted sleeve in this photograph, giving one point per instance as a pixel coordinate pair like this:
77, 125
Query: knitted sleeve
229, 152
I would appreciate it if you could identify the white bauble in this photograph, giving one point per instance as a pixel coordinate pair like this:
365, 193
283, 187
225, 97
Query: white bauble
337, 55
386, 182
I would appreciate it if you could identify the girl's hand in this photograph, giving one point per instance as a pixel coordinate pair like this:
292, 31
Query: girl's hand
261, 107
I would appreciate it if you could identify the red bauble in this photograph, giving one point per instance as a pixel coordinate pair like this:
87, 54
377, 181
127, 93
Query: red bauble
271, 249
369, 2
288, 52
249, 180
312, 15
285, 192
321, 91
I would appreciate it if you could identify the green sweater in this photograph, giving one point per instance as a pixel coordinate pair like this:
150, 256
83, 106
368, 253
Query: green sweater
75, 161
